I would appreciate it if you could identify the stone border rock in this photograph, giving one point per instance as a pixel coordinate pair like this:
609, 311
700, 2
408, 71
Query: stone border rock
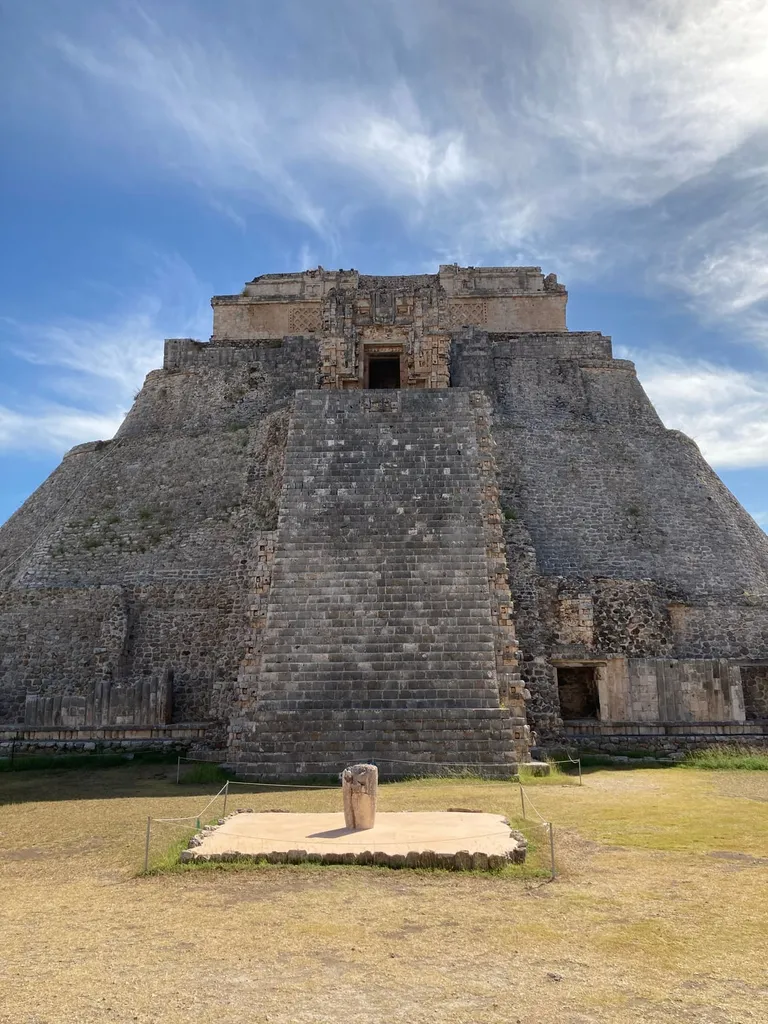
462, 860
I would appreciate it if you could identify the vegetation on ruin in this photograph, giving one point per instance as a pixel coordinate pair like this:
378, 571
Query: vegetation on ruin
728, 757
198, 773
660, 912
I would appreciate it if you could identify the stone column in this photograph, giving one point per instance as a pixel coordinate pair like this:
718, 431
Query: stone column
359, 784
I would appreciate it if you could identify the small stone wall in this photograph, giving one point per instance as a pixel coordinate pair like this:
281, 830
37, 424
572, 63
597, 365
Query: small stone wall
474, 829
662, 739
54, 741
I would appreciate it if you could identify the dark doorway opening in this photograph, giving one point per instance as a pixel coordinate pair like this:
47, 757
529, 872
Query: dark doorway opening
754, 680
384, 372
577, 686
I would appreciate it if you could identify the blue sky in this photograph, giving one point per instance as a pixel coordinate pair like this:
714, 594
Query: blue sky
159, 153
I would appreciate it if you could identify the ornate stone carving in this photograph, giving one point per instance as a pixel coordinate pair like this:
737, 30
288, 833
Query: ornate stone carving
467, 313
306, 317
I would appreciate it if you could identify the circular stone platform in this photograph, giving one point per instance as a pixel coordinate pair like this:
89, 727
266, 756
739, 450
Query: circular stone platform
463, 840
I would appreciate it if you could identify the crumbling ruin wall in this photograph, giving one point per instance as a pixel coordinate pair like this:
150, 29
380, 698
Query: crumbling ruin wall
137, 578
313, 302
754, 680
132, 567
625, 550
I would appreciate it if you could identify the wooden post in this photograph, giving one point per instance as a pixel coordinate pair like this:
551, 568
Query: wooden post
522, 799
552, 849
146, 846
359, 784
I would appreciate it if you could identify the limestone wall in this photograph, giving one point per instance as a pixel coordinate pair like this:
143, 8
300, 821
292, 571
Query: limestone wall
389, 596
133, 567
661, 739
493, 298
54, 643
671, 690
135, 580
602, 487
754, 679
61, 738
625, 550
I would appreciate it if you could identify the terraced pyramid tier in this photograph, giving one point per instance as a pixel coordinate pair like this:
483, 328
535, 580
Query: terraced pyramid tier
380, 636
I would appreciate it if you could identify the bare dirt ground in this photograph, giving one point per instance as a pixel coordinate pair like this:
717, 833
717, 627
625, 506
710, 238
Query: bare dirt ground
660, 912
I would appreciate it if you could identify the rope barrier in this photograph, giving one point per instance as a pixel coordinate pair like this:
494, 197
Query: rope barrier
388, 760
373, 760
189, 817
393, 760
524, 791
213, 799
193, 817
442, 764
173, 824
336, 841
280, 785
200, 760
524, 798
542, 822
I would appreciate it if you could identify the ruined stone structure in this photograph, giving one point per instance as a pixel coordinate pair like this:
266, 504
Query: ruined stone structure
407, 519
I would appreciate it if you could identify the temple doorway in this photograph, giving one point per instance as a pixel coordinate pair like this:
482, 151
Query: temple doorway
383, 372
577, 688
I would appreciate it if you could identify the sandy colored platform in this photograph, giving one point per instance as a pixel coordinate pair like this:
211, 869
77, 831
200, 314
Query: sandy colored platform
456, 839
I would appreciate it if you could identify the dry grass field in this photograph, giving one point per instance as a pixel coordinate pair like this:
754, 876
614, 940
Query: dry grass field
660, 912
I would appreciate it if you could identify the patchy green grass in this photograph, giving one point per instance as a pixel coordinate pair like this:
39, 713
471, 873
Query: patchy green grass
198, 773
728, 757
659, 913
559, 775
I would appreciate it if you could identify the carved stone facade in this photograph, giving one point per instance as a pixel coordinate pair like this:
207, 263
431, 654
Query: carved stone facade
524, 542
347, 305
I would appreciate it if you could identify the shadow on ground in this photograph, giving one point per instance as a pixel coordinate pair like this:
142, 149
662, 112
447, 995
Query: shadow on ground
97, 783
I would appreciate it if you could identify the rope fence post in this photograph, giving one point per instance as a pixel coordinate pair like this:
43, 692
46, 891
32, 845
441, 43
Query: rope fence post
146, 846
226, 794
522, 799
178, 769
552, 849
581, 781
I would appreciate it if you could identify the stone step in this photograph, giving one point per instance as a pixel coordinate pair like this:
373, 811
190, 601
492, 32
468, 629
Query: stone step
363, 701
380, 596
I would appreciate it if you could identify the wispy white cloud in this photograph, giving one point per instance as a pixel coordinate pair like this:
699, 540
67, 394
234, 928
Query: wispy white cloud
392, 148
94, 367
205, 115
652, 95
722, 272
307, 258
499, 128
723, 409
53, 428
112, 354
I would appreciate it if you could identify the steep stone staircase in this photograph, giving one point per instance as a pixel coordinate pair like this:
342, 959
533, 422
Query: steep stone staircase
380, 640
